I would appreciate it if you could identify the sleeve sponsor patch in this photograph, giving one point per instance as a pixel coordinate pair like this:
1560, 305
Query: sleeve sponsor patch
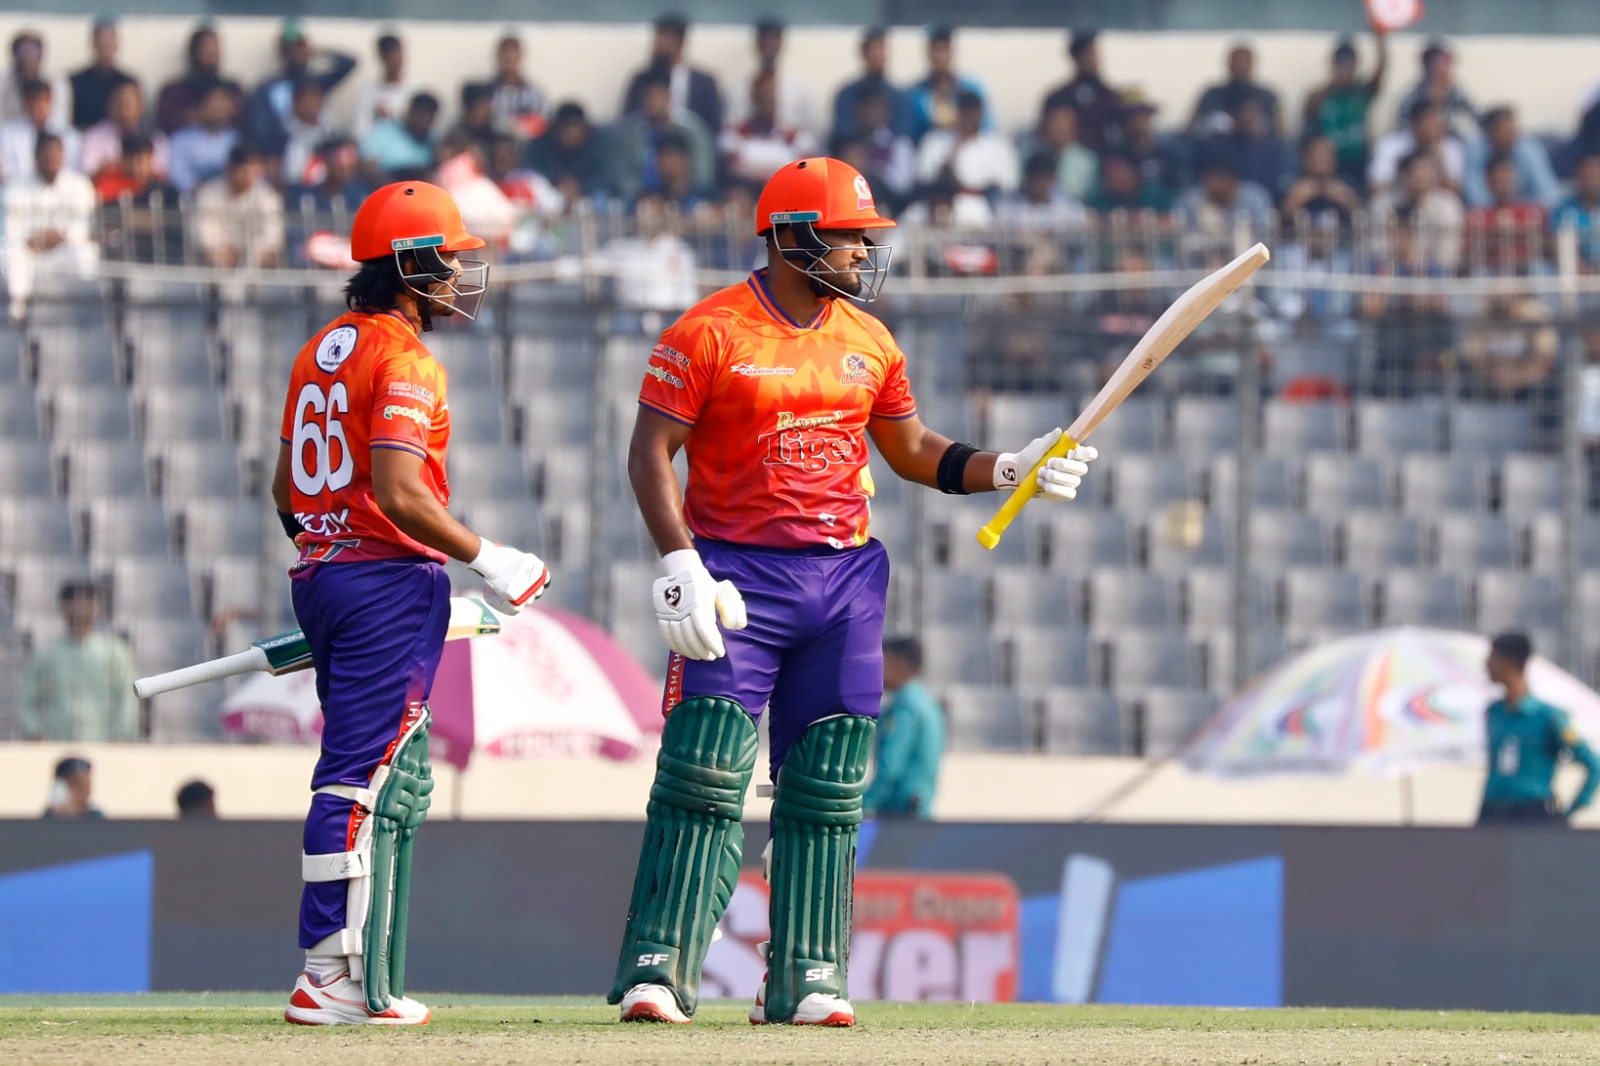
395, 410
410, 390
668, 354
663, 375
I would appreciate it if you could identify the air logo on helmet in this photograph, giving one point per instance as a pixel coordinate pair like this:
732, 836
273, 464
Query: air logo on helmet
408, 243
787, 218
863, 193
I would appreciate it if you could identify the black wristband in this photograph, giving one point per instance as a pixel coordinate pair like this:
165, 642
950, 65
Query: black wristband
291, 526
953, 468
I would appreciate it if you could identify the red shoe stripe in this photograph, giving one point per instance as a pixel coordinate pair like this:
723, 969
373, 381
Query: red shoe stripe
301, 999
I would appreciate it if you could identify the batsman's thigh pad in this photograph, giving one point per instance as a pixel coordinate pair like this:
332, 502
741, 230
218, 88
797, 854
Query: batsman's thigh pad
689, 863
378, 867
816, 815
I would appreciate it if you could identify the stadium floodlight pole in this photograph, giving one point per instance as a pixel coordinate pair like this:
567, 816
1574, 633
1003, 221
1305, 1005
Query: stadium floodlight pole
1176, 323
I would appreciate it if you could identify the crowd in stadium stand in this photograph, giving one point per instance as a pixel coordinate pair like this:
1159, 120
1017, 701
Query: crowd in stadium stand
1441, 166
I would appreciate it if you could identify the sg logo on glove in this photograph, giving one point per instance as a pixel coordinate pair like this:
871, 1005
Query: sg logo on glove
673, 594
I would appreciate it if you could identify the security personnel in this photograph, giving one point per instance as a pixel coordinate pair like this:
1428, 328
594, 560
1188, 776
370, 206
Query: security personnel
1526, 739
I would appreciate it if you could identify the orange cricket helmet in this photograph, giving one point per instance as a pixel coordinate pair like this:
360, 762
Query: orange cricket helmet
828, 193
407, 215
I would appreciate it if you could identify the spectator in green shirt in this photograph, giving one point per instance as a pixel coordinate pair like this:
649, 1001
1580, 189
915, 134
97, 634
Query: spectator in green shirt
910, 737
80, 687
1526, 740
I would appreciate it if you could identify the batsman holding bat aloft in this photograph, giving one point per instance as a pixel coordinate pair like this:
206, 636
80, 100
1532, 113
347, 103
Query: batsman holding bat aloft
360, 486
773, 385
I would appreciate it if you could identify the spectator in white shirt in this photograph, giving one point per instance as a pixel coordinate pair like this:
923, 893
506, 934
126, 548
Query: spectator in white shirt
755, 148
1041, 203
388, 96
238, 217
1431, 211
27, 64
1425, 132
306, 128
796, 106
19, 137
102, 142
979, 162
47, 218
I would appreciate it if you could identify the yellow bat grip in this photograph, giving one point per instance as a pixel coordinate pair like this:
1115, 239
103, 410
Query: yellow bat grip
989, 535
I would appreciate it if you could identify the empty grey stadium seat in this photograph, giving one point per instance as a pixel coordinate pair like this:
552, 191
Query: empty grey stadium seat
957, 519
1338, 482
1326, 598
1209, 599
1490, 428
160, 643
225, 526
19, 413
1390, 427
1184, 538
1290, 427
234, 583
102, 468
26, 468
1265, 649
477, 416
188, 715
1154, 656
186, 470
1430, 484
559, 361
150, 588
1142, 485
1028, 597
126, 527
1423, 598
1205, 424
987, 718
1272, 482
1379, 540
570, 529
90, 412
628, 591
1529, 484
32, 525
169, 413
1138, 425
1044, 655
176, 357
1171, 717
1281, 539
487, 470
960, 654
1126, 597
955, 597
1467, 543
641, 638
470, 354
1544, 542
1023, 417
951, 414
1082, 721
1515, 599
36, 582
551, 418
64, 355
1081, 540
518, 522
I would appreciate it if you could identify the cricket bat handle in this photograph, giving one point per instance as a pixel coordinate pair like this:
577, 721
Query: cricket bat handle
242, 662
989, 535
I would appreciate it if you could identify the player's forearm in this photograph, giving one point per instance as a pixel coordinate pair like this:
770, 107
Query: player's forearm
655, 486
420, 516
918, 461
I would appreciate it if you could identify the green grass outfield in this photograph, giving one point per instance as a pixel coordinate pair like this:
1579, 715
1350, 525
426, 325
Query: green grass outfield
227, 1028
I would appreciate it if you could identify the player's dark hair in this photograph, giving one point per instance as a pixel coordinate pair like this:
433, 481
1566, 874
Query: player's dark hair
907, 648
1515, 648
375, 287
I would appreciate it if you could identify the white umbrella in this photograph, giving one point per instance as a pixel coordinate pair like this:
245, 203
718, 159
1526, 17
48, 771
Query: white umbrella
282, 708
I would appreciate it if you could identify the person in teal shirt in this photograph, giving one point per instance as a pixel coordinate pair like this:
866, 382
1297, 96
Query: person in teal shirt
910, 737
1526, 739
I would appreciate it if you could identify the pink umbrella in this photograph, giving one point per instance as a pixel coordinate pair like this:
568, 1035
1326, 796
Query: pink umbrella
550, 683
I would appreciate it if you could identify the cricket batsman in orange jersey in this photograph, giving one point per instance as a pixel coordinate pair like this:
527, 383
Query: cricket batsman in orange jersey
361, 488
772, 385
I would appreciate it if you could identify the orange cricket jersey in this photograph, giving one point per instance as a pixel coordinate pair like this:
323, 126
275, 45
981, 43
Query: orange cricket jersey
778, 452
366, 381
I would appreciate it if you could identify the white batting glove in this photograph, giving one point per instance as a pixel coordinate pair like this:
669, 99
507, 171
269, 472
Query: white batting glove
688, 602
514, 577
1058, 479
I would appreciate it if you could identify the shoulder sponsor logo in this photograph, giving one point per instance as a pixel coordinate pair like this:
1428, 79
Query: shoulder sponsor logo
412, 391
336, 346
663, 375
395, 410
854, 369
750, 370
668, 354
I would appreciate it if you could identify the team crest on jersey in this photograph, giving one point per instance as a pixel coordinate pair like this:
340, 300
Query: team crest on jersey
863, 193
336, 347
855, 370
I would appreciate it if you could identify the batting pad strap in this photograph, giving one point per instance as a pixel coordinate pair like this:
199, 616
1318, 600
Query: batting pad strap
365, 798
342, 942
336, 866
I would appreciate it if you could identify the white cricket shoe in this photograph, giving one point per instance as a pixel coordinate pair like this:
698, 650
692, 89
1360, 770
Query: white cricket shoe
342, 1002
652, 1003
818, 1008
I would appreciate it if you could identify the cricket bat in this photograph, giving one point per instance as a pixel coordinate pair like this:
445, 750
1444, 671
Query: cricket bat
1176, 323
288, 652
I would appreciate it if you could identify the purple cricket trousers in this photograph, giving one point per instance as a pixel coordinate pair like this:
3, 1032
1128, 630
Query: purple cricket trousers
376, 631
814, 645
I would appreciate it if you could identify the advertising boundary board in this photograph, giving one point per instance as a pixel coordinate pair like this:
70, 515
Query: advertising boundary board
1444, 919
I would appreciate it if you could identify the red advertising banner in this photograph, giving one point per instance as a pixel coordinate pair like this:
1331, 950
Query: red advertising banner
916, 936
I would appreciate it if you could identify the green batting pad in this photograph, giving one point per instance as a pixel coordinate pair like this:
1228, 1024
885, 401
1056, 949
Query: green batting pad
689, 863
816, 814
400, 808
